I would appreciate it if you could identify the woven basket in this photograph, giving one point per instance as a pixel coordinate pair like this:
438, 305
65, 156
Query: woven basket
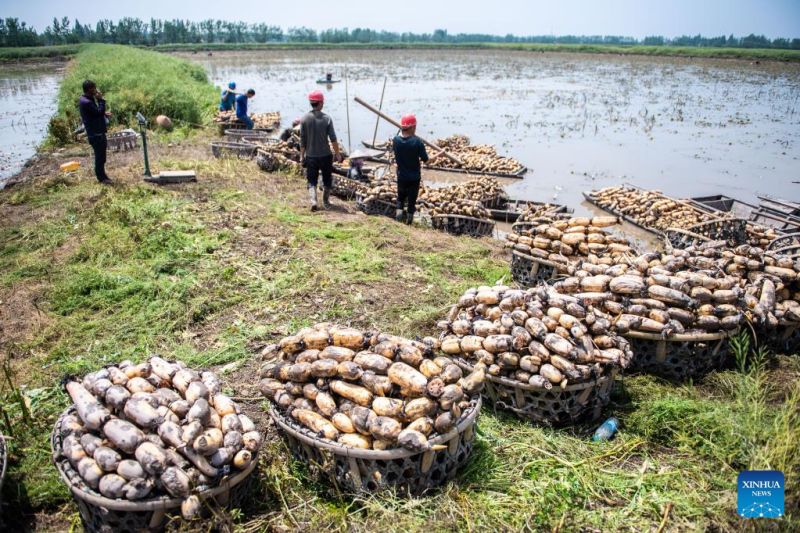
785, 339
233, 149
375, 206
122, 141
238, 135
731, 230
529, 271
345, 188
101, 514
352, 470
581, 402
3, 464
681, 238
680, 357
463, 225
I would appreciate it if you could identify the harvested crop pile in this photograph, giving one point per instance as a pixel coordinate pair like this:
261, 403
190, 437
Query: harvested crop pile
699, 289
650, 209
476, 158
468, 208
260, 120
154, 429
465, 199
534, 211
536, 336
563, 240
367, 390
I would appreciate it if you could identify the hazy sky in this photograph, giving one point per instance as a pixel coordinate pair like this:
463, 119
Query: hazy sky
637, 18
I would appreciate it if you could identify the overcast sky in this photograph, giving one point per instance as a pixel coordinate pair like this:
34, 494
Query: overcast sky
636, 18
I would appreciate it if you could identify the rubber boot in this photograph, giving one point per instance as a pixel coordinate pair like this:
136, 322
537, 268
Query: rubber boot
400, 215
409, 218
312, 197
326, 197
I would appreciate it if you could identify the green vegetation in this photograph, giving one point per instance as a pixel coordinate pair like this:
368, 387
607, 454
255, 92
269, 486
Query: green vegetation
209, 273
136, 80
665, 51
25, 53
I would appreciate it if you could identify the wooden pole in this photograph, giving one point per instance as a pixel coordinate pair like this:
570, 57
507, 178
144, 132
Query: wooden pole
393, 122
347, 106
378, 118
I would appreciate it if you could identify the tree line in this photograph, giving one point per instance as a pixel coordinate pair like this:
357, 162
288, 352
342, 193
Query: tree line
135, 31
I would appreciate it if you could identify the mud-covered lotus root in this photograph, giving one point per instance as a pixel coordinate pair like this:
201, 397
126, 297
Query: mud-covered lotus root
365, 391
153, 429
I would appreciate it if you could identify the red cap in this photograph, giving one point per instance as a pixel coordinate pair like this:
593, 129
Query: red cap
316, 96
408, 121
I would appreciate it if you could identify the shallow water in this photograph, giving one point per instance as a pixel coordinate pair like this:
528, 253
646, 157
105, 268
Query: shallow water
689, 127
27, 101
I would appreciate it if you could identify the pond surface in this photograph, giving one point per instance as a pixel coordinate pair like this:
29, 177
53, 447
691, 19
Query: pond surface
689, 127
27, 101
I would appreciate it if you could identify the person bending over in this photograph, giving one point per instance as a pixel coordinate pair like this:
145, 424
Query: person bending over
241, 108
409, 150
228, 97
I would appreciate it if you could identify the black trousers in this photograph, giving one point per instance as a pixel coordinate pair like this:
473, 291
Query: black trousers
315, 165
408, 191
100, 146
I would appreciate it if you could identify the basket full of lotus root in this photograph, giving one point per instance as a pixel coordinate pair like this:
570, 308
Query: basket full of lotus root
142, 442
548, 357
371, 411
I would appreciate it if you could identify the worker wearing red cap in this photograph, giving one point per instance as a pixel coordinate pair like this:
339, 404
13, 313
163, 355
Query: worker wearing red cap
316, 138
408, 152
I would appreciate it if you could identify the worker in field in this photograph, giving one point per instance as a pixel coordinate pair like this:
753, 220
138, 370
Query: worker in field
409, 150
288, 133
316, 138
228, 97
241, 108
92, 107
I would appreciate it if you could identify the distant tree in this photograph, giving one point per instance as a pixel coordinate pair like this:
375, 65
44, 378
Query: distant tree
654, 40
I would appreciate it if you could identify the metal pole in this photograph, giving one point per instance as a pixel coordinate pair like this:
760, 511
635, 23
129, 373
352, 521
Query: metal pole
378, 118
396, 124
144, 147
347, 107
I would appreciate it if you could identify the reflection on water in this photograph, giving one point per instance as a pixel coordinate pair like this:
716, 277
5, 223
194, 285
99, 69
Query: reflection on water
27, 101
688, 127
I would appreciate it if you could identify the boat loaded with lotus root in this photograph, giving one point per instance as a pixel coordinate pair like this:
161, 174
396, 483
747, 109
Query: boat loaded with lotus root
549, 357
478, 159
149, 437
261, 121
357, 394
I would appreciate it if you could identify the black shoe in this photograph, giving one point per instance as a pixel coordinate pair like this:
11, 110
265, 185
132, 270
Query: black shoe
409, 219
105, 181
314, 208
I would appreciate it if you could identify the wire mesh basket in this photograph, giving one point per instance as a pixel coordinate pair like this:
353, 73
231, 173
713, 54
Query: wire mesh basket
122, 141
352, 470
463, 225
346, 188
375, 206
556, 406
105, 515
233, 149
529, 271
680, 357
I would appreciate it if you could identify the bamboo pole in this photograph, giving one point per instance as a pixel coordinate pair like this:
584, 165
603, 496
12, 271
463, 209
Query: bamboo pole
347, 107
378, 118
393, 122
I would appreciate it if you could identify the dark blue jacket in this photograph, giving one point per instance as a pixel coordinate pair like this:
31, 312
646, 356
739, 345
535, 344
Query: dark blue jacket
227, 99
408, 152
241, 105
93, 115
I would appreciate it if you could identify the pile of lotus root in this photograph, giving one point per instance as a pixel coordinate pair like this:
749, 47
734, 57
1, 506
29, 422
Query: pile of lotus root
367, 390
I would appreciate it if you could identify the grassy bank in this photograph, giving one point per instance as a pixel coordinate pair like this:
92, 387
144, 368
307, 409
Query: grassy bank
25, 53
667, 51
210, 272
135, 80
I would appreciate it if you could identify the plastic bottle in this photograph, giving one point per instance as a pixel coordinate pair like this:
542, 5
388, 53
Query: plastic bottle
606, 430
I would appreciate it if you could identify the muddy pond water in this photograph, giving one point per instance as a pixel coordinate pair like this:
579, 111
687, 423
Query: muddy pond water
27, 101
689, 127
